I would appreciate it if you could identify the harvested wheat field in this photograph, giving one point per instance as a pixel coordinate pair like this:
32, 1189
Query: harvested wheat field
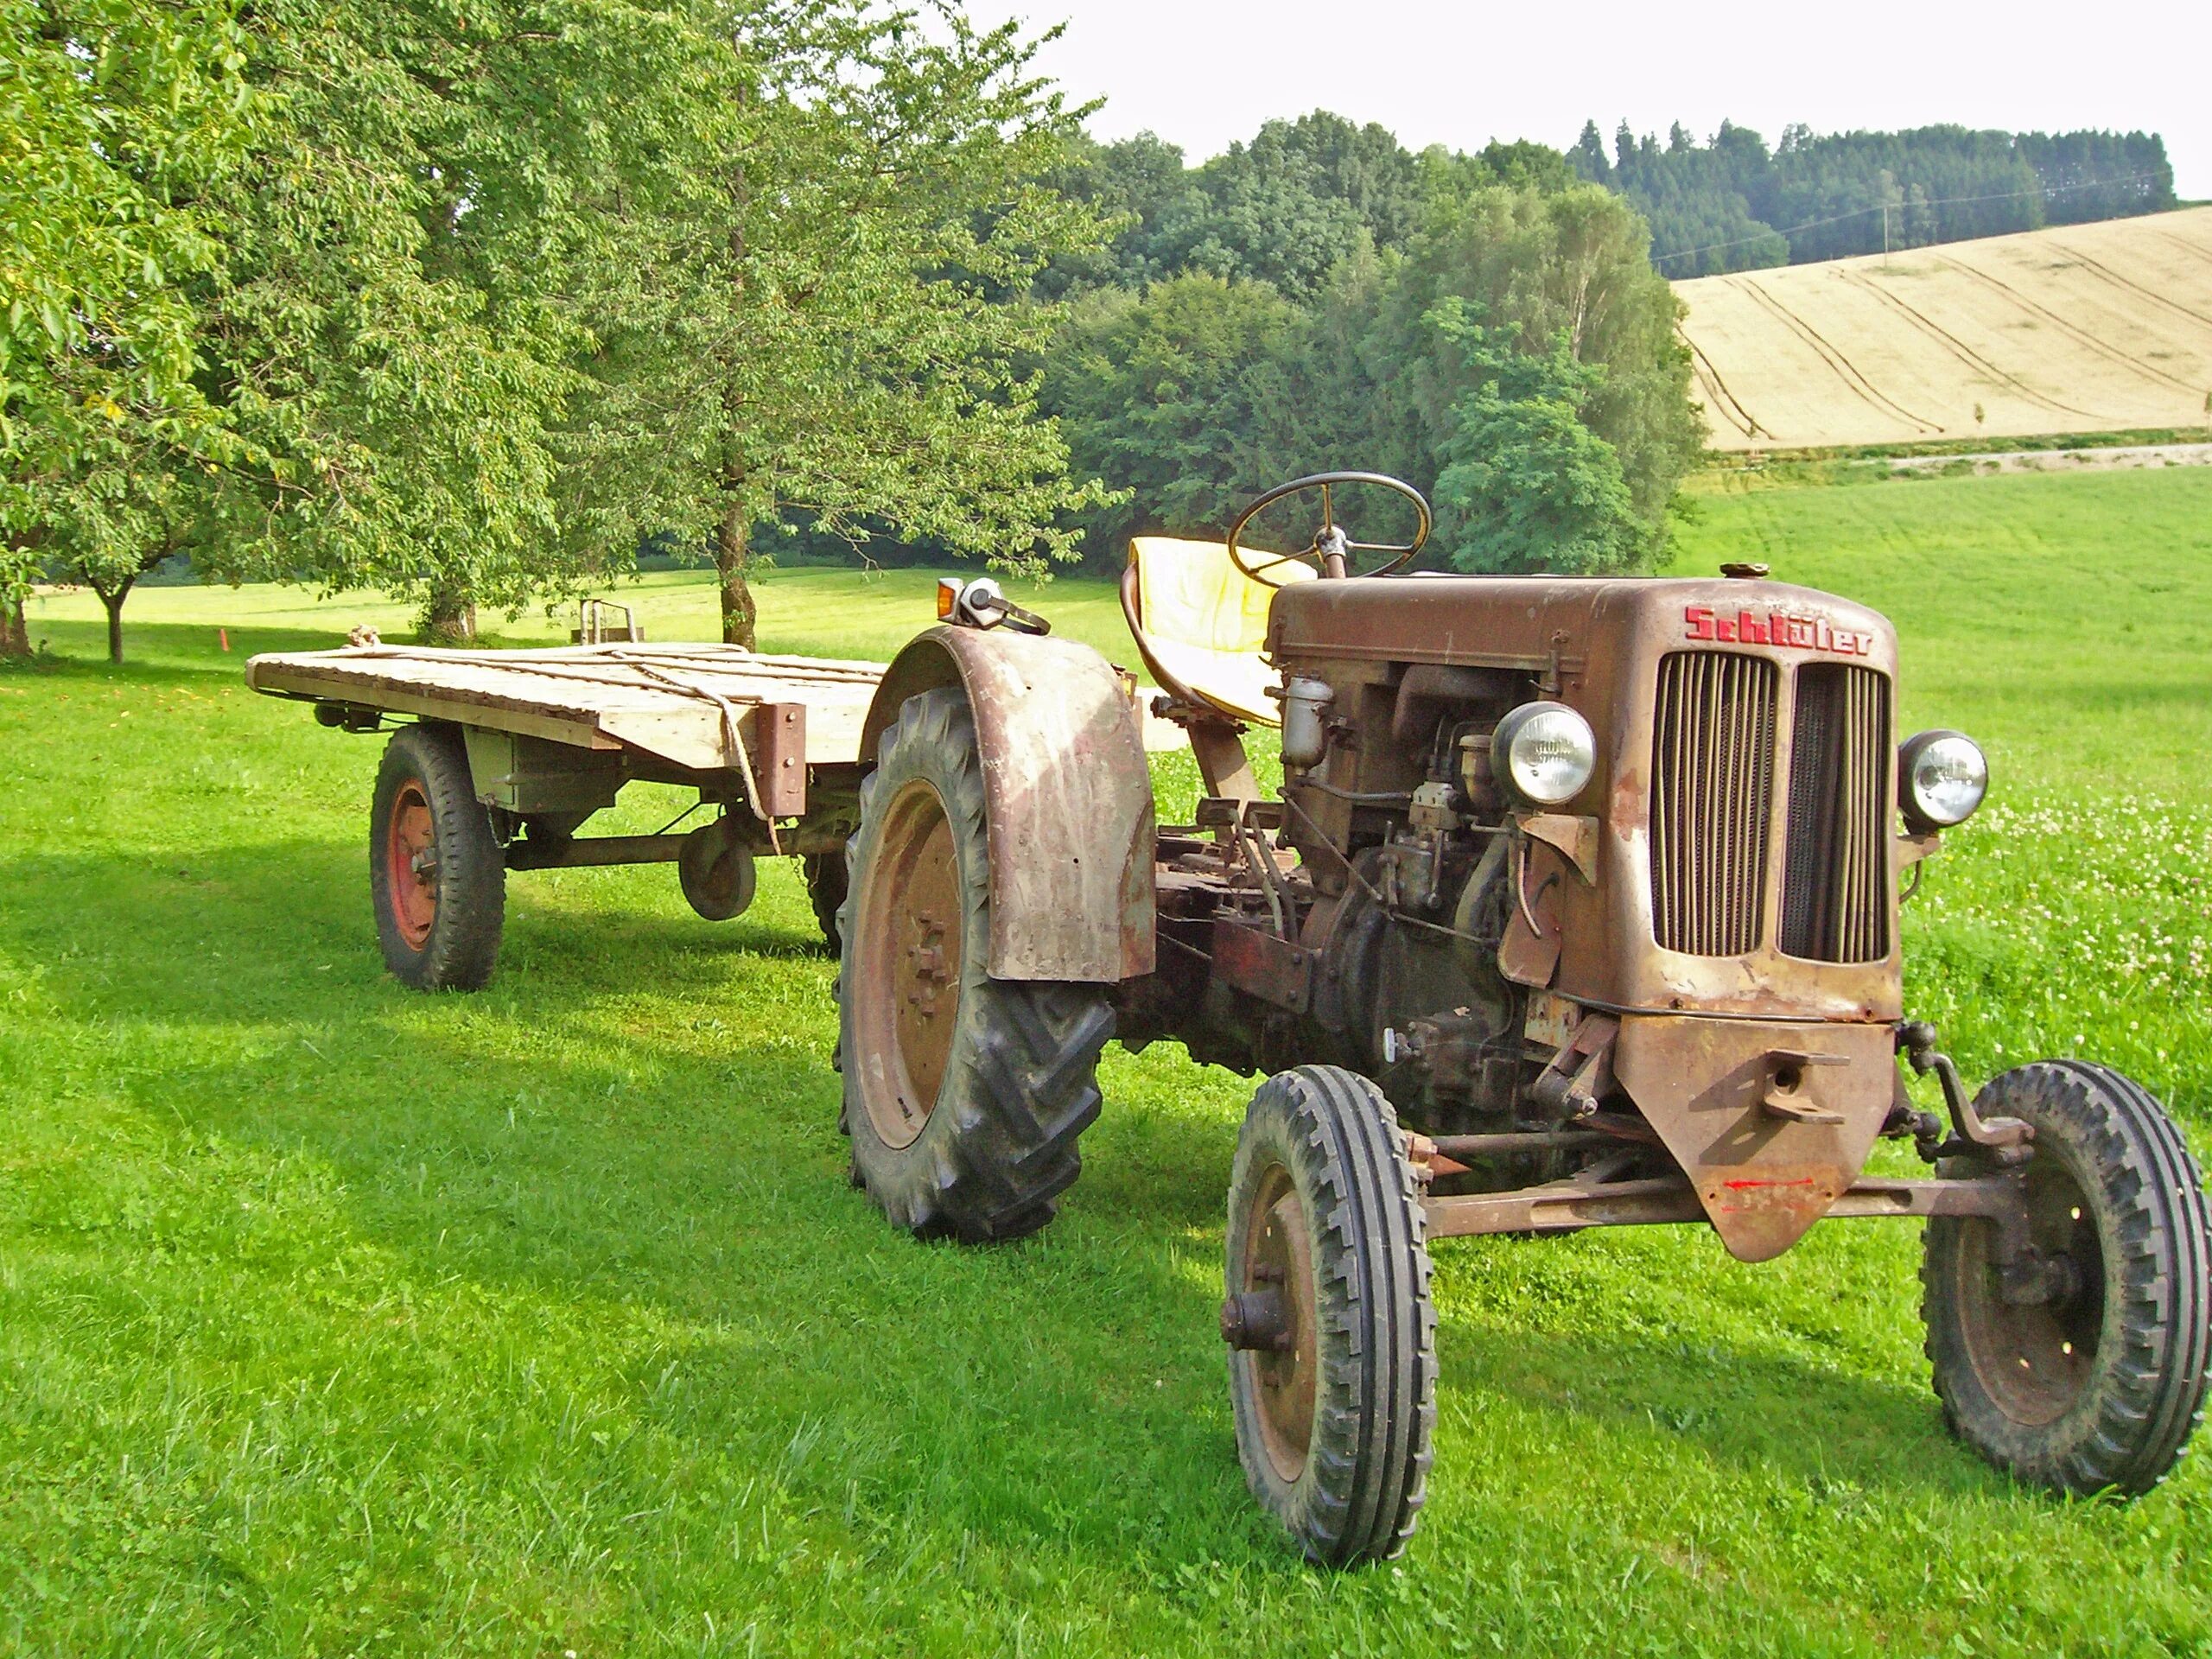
2077, 329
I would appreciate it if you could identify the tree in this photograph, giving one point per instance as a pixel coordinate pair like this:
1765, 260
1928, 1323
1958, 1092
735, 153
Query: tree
333, 306
399, 328
1575, 262
1588, 156
119, 122
1530, 487
1196, 393
821, 314
1163, 393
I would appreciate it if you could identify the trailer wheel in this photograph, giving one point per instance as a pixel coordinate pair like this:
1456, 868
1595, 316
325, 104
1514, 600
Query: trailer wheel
715, 873
436, 875
827, 878
2095, 1383
1332, 1334
964, 1094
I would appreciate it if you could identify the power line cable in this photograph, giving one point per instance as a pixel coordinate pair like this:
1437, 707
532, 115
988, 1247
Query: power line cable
1860, 213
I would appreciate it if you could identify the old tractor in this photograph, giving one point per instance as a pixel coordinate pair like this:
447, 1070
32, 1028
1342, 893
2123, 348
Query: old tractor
1578, 906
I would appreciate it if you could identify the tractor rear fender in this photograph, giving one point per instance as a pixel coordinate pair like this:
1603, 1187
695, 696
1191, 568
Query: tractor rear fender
1067, 791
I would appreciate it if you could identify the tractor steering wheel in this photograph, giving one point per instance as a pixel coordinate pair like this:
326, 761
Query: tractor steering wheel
1331, 553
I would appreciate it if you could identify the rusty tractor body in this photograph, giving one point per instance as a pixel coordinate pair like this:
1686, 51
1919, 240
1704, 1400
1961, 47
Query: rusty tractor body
1578, 905
1705, 935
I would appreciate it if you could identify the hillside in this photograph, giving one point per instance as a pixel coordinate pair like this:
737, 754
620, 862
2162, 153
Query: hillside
2075, 328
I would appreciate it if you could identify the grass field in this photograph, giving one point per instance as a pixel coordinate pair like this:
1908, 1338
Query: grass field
2075, 328
336, 1319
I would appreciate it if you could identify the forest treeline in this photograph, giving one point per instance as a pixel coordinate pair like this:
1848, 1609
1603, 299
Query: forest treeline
471, 304
1733, 204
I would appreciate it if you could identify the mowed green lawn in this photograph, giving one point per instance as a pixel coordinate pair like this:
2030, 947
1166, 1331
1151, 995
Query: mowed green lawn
337, 1319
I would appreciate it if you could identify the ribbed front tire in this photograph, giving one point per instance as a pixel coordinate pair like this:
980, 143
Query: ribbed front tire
2097, 1387
1332, 1356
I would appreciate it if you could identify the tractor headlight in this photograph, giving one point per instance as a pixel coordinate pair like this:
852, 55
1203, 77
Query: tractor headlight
1942, 777
1543, 752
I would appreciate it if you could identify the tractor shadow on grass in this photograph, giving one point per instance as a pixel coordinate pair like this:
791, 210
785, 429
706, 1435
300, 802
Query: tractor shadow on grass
1717, 1406
635, 1128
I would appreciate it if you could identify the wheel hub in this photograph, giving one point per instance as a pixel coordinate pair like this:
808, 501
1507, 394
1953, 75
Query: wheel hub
1268, 1320
909, 956
411, 864
2032, 1325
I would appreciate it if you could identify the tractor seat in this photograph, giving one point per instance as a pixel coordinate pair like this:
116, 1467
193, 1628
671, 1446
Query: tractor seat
1200, 624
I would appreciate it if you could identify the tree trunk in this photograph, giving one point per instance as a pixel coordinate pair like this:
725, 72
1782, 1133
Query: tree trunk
450, 617
113, 601
732, 552
22, 546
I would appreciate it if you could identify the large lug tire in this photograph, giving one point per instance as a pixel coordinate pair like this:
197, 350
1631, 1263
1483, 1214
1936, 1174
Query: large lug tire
436, 876
2097, 1387
1332, 1333
827, 877
964, 1094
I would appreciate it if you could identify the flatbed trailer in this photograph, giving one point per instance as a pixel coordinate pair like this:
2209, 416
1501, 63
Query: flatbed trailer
543, 739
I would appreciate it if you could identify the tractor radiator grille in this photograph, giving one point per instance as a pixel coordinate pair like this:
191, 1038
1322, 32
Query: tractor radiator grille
1836, 872
1712, 801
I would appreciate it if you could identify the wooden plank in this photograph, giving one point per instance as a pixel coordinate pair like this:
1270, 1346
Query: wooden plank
666, 700
285, 681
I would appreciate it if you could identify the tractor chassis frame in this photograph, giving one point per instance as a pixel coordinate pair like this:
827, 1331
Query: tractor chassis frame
1590, 1200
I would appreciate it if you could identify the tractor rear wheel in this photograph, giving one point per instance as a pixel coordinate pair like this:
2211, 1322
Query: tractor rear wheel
1332, 1334
2093, 1379
964, 1094
436, 876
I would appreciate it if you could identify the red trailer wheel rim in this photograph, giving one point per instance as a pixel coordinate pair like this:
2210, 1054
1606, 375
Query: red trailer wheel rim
410, 858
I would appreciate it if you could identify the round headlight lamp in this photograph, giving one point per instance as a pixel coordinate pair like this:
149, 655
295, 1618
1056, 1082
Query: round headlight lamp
1942, 777
1543, 753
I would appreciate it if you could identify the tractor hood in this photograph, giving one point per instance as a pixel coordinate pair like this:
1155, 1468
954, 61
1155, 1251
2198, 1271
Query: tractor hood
1737, 831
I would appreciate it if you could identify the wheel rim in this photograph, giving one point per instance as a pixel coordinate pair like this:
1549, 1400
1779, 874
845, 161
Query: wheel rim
715, 872
2035, 1360
908, 962
410, 858
1278, 1270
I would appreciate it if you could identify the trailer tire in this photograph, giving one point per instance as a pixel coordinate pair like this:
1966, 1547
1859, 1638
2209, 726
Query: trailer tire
964, 1095
1332, 1334
715, 872
436, 876
827, 878
2097, 1389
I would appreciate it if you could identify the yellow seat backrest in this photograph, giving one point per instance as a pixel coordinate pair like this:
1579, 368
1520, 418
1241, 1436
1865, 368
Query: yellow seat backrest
1205, 622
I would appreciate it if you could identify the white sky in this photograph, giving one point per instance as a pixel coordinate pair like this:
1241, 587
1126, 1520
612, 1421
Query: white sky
1202, 73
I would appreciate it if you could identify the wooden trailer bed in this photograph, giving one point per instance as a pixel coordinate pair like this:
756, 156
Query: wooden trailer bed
697, 708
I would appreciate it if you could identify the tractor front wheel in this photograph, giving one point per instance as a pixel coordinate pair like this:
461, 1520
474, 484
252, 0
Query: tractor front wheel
1331, 1332
436, 876
2084, 1369
964, 1094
